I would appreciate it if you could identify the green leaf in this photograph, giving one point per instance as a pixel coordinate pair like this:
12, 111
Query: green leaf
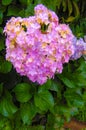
59, 3
67, 81
6, 2
29, 10
51, 85
13, 10
44, 100
70, 19
1, 17
22, 13
27, 112
22, 92
63, 111
2, 46
79, 78
5, 67
74, 99
7, 108
55, 86
1, 30
2, 8
4, 123
64, 5
70, 8
76, 10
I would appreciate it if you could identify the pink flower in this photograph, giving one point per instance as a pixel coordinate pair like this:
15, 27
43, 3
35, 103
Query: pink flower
38, 46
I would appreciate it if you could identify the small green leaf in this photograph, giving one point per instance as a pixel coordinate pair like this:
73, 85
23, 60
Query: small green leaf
70, 19
22, 92
5, 67
50, 85
44, 100
7, 108
27, 112
67, 81
6, 2
55, 86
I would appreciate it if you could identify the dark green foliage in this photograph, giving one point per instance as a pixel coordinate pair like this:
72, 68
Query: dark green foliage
28, 106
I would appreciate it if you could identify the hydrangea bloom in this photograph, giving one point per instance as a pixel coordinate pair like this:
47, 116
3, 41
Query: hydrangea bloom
80, 48
38, 46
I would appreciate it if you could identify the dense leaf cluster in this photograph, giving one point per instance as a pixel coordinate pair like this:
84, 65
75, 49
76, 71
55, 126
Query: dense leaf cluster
25, 105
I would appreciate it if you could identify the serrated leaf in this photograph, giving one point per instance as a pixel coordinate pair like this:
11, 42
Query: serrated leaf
6, 2
7, 108
27, 112
22, 92
44, 100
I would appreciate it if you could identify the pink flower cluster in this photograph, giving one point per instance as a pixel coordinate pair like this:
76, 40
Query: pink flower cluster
38, 46
79, 48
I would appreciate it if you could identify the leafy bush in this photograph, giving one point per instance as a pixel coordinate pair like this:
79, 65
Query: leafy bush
26, 105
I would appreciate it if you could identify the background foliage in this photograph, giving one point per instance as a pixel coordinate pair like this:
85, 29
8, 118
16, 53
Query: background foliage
25, 105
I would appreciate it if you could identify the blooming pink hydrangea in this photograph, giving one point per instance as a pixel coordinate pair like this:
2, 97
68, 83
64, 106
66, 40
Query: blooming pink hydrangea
79, 48
38, 46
